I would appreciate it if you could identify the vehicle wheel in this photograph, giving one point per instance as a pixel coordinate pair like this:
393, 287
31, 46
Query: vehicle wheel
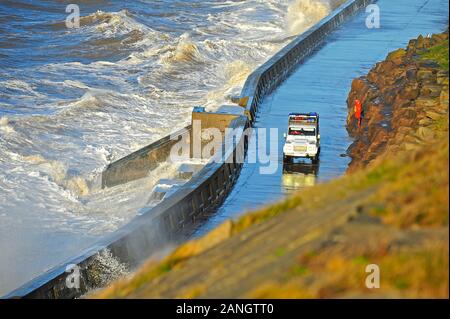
315, 159
286, 159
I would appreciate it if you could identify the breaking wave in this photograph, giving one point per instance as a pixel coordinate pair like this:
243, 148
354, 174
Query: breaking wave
185, 52
302, 14
234, 75
4, 125
113, 23
58, 173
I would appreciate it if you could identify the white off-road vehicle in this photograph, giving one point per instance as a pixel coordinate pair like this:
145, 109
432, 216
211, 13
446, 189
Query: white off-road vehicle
303, 137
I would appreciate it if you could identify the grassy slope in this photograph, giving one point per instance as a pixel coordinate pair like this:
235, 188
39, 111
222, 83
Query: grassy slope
317, 243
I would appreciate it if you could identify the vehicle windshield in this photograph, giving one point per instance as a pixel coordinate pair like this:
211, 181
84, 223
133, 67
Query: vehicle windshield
302, 132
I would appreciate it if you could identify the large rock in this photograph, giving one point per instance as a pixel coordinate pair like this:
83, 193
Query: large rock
401, 102
420, 43
396, 56
439, 37
385, 67
426, 76
411, 73
410, 91
427, 102
379, 139
425, 121
411, 48
429, 64
373, 77
360, 85
424, 43
396, 77
442, 77
408, 113
433, 115
431, 90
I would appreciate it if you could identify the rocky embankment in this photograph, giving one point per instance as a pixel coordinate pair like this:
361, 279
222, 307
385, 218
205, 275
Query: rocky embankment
390, 211
401, 97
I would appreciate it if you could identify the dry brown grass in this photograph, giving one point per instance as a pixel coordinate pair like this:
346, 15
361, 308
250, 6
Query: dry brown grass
410, 274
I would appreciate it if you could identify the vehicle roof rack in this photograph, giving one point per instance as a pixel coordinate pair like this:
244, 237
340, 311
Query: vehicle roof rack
304, 114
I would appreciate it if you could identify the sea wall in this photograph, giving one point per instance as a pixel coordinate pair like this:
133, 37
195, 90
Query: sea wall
137, 164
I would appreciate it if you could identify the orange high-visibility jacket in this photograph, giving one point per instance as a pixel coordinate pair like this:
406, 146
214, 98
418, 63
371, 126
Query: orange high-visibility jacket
358, 109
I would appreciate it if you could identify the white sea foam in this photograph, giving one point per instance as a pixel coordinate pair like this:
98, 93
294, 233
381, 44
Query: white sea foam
234, 75
4, 125
113, 23
76, 84
3, 121
302, 14
106, 268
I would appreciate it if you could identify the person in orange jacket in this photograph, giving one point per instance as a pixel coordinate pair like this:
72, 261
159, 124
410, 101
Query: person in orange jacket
358, 112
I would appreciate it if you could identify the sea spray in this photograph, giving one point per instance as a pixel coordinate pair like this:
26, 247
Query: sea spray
302, 14
234, 73
104, 269
4, 126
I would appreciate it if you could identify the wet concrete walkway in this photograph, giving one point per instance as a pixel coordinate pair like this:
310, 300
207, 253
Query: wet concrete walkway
321, 85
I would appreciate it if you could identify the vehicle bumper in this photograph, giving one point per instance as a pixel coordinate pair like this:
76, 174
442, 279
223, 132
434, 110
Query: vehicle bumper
294, 154
309, 153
